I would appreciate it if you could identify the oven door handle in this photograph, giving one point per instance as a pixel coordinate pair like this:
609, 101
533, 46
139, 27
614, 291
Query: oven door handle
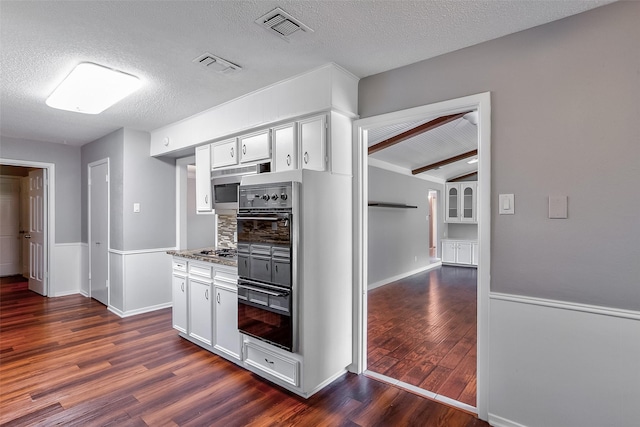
264, 291
265, 218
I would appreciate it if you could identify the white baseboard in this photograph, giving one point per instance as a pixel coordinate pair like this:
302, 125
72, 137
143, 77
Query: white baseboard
497, 421
140, 310
403, 275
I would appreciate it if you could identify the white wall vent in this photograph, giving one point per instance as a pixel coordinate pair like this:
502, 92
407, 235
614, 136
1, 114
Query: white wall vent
281, 24
217, 64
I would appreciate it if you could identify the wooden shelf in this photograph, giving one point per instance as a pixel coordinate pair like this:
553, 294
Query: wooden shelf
391, 205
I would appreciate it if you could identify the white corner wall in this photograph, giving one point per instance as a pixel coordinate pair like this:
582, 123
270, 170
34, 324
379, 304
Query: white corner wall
558, 364
68, 270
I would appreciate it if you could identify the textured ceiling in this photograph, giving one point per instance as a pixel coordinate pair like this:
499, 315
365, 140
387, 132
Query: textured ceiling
41, 41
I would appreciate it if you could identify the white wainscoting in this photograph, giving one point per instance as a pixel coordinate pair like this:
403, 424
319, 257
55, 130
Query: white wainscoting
561, 364
140, 281
68, 267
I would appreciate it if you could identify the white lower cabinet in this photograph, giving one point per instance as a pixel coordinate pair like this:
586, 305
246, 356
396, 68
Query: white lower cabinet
271, 362
200, 311
227, 338
458, 252
179, 308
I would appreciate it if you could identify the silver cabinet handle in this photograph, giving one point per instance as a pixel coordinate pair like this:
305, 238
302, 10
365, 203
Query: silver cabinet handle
97, 243
268, 361
266, 266
182, 286
244, 148
206, 294
288, 160
306, 157
218, 297
206, 198
231, 151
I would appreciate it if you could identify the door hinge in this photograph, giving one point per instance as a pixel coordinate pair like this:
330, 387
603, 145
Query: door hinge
106, 178
107, 283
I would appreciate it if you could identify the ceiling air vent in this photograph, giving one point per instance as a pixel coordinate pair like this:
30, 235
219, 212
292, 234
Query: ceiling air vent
281, 24
217, 64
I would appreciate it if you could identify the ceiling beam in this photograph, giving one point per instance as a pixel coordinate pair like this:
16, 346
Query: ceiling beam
444, 162
425, 127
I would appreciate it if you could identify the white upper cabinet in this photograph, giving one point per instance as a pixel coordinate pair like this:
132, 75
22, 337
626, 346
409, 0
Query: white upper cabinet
461, 202
255, 146
312, 136
285, 147
224, 153
203, 178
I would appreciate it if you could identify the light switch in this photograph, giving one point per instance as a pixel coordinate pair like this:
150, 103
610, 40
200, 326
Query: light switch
558, 207
506, 202
136, 208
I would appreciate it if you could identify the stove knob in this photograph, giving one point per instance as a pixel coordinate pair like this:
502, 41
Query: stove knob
266, 197
284, 196
274, 196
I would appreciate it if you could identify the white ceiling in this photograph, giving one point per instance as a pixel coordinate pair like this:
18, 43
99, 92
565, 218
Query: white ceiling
157, 40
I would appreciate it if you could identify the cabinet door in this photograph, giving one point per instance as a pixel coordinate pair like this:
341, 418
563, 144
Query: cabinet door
285, 147
203, 178
313, 143
179, 306
227, 337
452, 206
200, 311
468, 202
463, 255
224, 153
255, 146
449, 252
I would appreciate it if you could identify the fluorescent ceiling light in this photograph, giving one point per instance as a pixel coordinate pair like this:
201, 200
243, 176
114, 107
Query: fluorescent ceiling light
92, 88
472, 161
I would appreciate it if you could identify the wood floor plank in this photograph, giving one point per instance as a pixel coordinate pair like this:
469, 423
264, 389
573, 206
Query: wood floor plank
69, 361
422, 329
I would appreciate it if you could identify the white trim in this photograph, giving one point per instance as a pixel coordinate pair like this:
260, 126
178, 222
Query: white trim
584, 308
481, 102
422, 392
50, 212
392, 279
89, 166
130, 313
402, 171
497, 421
140, 251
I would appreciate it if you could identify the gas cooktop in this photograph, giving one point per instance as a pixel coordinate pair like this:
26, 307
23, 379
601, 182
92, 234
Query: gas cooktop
222, 253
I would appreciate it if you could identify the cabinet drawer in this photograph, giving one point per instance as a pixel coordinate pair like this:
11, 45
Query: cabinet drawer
200, 270
180, 265
274, 364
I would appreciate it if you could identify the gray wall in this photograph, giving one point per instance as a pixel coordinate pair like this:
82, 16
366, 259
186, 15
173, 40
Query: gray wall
152, 183
67, 179
110, 146
397, 236
134, 177
565, 121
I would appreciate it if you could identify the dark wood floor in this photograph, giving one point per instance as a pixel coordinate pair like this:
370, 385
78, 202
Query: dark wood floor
68, 361
422, 331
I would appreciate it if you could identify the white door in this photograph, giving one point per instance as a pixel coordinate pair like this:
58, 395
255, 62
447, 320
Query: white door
24, 223
99, 232
10, 237
37, 231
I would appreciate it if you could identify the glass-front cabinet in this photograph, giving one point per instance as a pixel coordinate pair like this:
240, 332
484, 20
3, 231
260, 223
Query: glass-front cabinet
461, 202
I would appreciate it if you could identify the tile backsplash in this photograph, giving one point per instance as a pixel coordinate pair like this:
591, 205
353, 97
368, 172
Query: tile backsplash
226, 231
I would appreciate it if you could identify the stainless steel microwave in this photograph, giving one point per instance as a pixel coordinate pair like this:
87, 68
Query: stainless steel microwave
225, 184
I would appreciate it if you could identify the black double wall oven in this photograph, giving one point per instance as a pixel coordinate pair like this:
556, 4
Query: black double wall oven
265, 227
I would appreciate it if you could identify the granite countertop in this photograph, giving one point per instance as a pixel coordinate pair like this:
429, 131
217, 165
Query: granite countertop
196, 255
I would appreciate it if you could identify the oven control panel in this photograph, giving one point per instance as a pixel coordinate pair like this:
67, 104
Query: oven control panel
267, 196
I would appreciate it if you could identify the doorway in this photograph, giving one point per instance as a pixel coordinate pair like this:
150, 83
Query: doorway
34, 215
481, 103
98, 186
